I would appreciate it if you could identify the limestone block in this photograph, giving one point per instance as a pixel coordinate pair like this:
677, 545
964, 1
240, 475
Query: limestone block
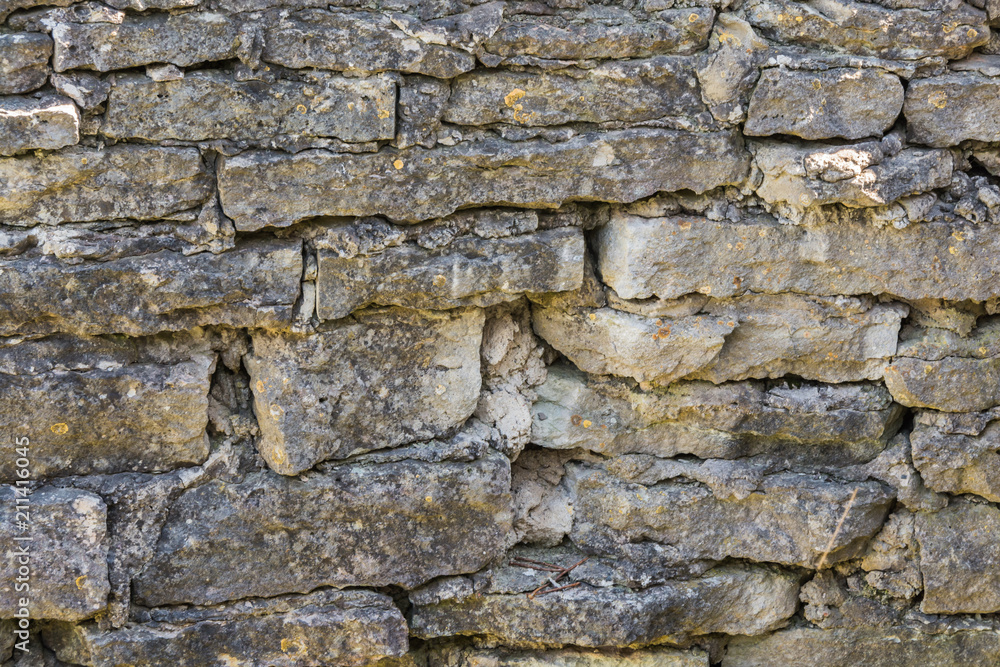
27, 123
24, 60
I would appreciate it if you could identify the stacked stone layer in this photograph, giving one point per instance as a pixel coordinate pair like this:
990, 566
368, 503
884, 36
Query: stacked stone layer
322, 318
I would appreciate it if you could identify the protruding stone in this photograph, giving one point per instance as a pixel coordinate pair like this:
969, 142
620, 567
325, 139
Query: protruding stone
946, 110
951, 30
960, 559
631, 91
400, 522
957, 453
350, 628
874, 646
746, 600
841, 424
84, 184
790, 518
671, 257
839, 102
357, 42
381, 378
260, 189
67, 551
470, 271
24, 60
211, 105
160, 291
101, 405
142, 39
27, 123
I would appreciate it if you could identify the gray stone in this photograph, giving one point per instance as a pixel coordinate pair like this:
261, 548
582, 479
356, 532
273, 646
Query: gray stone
67, 553
790, 518
633, 91
381, 378
674, 256
868, 29
897, 646
609, 341
954, 458
674, 31
839, 102
357, 42
24, 61
83, 184
105, 406
841, 424
800, 176
211, 105
960, 559
46, 123
357, 524
260, 189
144, 294
940, 370
731, 67
738, 599
945, 110
8, 6
178, 39
470, 271
87, 90
572, 657
350, 628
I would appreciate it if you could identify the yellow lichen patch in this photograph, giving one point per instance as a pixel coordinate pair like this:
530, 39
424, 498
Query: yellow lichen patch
301, 108
79, 582
59, 428
972, 34
952, 250
398, 164
513, 96
692, 18
260, 385
729, 38
291, 646
587, 423
383, 113
439, 281
938, 99
816, 84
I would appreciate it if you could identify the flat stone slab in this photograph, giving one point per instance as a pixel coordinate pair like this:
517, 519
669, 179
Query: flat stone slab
24, 61
68, 553
946, 110
27, 123
469, 271
572, 657
212, 105
104, 405
260, 189
399, 522
381, 378
838, 102
958, 452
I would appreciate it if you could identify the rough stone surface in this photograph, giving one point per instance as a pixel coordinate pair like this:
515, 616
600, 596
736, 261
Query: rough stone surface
260, 189
674, 612
380, 378
355, 524
839, 102
28, 124
24, 61
354, 110
83, 184
654, 657
68, 551
352, 628
944, 110
957, 453
99, 405
468, 272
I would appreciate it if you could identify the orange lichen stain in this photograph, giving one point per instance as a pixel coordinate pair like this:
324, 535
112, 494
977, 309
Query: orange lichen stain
592, 316
398, 164
729, 38
816, 84
692, 18
383, 113
59, 428
952, 250
260, 385
958, 235
513, 96
439, 280
290, 645
587, 423
428, 499
684, 225
948, 27
79, 582
972, 33
938, 99
575, 420
301, 108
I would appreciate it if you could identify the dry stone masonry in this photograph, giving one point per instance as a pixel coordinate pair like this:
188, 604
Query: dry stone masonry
500, 333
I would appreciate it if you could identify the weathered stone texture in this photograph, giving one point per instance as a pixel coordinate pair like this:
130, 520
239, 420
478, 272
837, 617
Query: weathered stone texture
673, 256
789, 519
211, 105
351, 628
253, 285
83, 184
24, 61
28, 124
355, 524
574, 657
957, 453
945, 110
469, 271
260, 189
378, 379
100, 405
839, 102
68, 553
674, 612
143, 39
843, 424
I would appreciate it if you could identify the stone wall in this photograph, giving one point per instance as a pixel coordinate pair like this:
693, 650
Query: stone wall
338, 334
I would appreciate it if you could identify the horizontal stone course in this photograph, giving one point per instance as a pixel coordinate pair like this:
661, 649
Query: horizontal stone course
24, 61
946, 110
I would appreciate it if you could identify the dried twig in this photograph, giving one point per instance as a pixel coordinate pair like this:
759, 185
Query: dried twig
535, 562
541, 568
563, 571
836, 531
560, 588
